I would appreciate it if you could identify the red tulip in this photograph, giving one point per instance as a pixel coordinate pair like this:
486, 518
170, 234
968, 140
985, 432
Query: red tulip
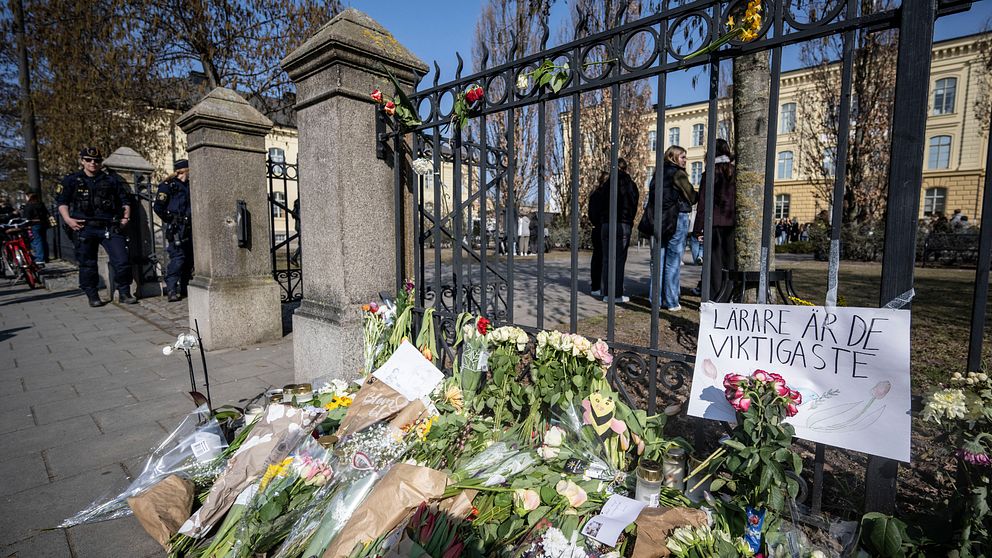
373, 307
454, 550
482, 325
390, 108
377, 95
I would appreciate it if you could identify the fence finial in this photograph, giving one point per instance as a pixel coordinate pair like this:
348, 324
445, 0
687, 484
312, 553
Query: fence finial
544, 34
461, 63
485, 56
513, 46
580, 22
437, 73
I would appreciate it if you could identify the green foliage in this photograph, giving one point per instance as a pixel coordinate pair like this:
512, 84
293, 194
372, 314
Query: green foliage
884, 536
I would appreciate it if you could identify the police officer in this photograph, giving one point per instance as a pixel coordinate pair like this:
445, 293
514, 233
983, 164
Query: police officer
95, 204
173, 206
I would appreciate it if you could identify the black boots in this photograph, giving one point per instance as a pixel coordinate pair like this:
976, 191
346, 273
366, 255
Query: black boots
173, 297
95, 301
124, 297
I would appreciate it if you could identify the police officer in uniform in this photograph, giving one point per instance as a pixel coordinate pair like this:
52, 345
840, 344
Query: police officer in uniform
95, 204
173, 206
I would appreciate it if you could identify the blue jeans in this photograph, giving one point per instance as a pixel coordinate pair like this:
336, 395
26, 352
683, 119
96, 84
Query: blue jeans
38, 243
695, 248
671, 255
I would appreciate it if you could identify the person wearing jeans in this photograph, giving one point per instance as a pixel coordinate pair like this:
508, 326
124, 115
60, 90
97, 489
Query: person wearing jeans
37, 214
627, 195
678, 197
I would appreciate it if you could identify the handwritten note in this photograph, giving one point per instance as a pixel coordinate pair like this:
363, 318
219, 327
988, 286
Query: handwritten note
409, 373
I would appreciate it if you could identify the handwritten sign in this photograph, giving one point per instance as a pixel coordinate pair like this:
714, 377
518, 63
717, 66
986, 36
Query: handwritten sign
851, 366
409, 373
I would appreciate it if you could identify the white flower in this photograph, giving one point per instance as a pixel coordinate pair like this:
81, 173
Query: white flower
167, 350
946, 403
422, 166
185, 341
566, 343
554, 436
548, 453
521, 339
523, 81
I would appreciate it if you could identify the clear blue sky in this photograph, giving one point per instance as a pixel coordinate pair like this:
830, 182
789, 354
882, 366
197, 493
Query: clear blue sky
436, 29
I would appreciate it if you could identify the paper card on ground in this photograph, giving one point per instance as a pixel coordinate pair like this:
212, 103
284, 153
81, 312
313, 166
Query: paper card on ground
409, 373
851, 366
618, 512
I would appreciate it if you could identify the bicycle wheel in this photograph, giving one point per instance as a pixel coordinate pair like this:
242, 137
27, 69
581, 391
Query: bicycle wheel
27, 266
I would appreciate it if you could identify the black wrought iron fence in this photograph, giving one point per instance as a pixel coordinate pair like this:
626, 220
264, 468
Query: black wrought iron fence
284, 246
461, 277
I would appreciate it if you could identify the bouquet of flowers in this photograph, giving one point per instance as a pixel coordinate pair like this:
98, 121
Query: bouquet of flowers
376, 320
567, 364
503, 394
964, 412
475, 356
284, 492
704, 542
754, 461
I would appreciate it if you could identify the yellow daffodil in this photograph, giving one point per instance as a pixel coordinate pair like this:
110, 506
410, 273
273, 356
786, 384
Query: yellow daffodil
454, 397
730, 22
275, 471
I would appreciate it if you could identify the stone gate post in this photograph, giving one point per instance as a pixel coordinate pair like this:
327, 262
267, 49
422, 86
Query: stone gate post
232, 294
346, 194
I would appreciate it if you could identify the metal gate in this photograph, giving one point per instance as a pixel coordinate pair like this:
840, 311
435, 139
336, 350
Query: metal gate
477, 280
284, 246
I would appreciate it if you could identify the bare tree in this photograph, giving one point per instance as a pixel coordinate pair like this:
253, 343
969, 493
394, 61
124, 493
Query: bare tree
983, 105
871, 118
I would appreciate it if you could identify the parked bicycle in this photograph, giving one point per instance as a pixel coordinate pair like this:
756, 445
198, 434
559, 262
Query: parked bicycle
16, 260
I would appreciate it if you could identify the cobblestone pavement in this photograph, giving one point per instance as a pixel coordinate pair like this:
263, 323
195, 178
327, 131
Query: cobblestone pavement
85, 393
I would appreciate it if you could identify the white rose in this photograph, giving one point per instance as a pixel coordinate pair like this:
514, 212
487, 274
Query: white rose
523, 81
548, 453
566, 343
167, 350
521, 340
554, 436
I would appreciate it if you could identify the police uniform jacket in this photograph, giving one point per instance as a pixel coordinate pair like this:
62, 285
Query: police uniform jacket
98, 198
172, 200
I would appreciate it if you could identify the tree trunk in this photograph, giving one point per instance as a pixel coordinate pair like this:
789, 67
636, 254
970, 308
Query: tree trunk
751, 133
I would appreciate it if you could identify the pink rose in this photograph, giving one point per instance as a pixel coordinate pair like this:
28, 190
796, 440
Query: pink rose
572, 492
732, 380
742, 404
601, 351
796, 397
377, 95
791, 409
781, 388
528, 499
761, 376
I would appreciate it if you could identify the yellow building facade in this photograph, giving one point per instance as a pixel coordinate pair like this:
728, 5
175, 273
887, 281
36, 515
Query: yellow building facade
956, 141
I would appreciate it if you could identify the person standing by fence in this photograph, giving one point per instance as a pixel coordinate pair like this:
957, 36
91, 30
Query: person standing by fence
627, 195
172, 205
594, 212
523, 235
721, 244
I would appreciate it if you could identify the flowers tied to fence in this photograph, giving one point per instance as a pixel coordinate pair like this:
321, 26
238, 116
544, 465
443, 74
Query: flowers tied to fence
744, 27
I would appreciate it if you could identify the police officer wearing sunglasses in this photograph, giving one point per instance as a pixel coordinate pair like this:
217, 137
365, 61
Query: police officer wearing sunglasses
95, 204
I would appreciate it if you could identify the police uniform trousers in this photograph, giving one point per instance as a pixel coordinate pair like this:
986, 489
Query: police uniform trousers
88, 242
180, 268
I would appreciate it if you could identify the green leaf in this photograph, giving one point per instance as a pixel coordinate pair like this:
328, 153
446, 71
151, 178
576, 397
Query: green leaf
883, 535
536, 515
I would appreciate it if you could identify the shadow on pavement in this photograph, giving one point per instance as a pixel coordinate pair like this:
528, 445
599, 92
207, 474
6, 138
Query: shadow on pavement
44, 295
6, 334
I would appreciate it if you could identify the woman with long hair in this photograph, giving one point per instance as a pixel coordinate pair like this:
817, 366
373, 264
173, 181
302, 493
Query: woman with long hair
678, 196
720, 245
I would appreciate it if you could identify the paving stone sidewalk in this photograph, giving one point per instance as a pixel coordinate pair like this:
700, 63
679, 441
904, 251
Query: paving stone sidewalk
85, 394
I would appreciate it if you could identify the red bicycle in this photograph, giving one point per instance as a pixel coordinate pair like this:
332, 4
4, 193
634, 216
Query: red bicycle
16, 257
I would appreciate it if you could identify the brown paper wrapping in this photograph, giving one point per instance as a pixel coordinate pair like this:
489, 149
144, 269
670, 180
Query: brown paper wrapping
279, 429
655, 524
375, 401
399, 492
459, 506
164, 507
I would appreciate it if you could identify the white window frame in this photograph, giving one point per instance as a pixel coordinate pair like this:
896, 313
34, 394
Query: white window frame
674, 135
782, 203
939, 152
934, 200
277, 155
944, 94
787, 118
277, 211
696, 173
652, 140
698, 135
786, 160
829, 161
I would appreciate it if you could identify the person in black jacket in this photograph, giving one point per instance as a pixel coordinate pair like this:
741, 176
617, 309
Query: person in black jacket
37, 214
594, 211
720, 245
627, 196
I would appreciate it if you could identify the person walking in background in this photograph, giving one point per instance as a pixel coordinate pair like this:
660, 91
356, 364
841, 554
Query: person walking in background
627, 196
172, 205
37, 214
594, 211
96, 205
523, 235
721, 244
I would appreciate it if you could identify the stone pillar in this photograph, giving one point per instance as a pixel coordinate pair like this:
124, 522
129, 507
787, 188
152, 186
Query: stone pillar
346, 194
232, 294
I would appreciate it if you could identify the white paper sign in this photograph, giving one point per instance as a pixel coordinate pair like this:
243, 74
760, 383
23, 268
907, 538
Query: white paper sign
618, 512
409, 373
851, 366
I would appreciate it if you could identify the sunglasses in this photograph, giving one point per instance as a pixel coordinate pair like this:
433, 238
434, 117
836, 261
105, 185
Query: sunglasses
92, 160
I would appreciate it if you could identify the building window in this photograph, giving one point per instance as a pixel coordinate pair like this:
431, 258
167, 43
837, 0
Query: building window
940, 152
934, 201
697, 173
278, 198
785, 165
698, 135
787, 119
830, 161
652, 140
673, 136
277, 155
781, 206
943, 95
723, 130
